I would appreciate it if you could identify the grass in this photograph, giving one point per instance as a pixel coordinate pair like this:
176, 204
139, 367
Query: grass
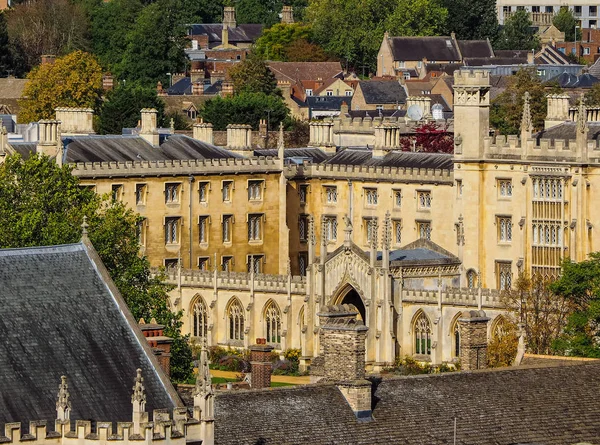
218, 380
278, 384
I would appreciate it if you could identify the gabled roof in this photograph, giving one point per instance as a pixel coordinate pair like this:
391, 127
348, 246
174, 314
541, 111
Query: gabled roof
568, 130
421, 252
332, 103
438, 49
62, 315
567, 80
240, 34
182, 86
475, 48
382, 91
549, 55
299, 71
529, 405
594, 70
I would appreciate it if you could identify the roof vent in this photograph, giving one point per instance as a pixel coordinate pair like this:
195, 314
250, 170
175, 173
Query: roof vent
449, 43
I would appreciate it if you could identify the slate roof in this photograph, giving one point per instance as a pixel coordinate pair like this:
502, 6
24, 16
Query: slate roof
566, 80
352, 156
182, 86
316, 154
240, 34
134, 148
25, 149
475, 48
382, 91
447, 68
550, 406
376, 113
330, 103
438, 49
61, 315
568, 130
594, 69
421, 252
549, 55
294, 71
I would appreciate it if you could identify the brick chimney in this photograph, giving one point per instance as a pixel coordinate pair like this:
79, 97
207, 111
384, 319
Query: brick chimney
108, 82
473, 340
343, 345
260, 362
48, 59
160, 344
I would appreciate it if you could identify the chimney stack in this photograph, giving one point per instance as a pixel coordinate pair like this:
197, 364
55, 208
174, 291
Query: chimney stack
49, 142
149, 129
321, 136
202, 131
160, 344
287, 15
229, 17
473, 340
75, 121
108, 82
48, 59
343, 345
260, 362
239, 139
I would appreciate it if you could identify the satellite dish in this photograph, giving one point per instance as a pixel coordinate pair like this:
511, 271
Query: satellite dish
414, 112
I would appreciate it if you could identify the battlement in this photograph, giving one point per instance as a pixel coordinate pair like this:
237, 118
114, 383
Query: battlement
237, 281
377, 173
471, 78
177, 167
469, 297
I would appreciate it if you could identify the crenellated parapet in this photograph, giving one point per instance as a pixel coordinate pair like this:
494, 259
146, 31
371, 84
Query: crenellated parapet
370, 172
467, 297
177, 167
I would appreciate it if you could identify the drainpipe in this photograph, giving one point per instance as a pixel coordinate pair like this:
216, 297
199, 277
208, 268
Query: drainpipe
191, 179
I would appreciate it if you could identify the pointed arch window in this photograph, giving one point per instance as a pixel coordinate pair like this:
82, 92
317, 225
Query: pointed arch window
273, 323
199, 318
235, 314
471, 279
422, 334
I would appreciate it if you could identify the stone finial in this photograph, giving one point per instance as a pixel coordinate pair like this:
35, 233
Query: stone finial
63, 404
172, 126
347, 230
203, 380
312, 239
139, 392
374, 234
581, 116
387, 232
526, 121
323, 232
281, 144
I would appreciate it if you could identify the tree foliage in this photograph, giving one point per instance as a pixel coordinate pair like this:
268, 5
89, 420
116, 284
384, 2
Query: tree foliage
417, 18
543, 314
253, 76
155, 45
47, 27
580, 285
518, 33
6, 60
592, 95
43, 204
121, 108
288, 43
472, 19
502, 348
74, 80
507, 109
429, 138
565, 21
244, 108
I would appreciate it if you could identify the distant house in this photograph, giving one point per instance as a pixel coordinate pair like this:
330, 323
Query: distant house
406, 57
379, 95
587, 47
228, 33
11, 90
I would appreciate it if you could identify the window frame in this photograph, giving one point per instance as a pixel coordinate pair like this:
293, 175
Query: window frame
141, 188
172, 193
255, 185
227, 185
331, 191
172, 226
255, 227
203, 185
424, 200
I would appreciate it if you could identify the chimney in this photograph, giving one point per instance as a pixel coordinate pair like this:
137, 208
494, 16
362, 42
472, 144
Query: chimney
321, 136
149, 130
344, 109
558, 110
530, 57
225, 36
262, 129
229, 17
3, 140
197, 71
343, 345
202, 131
48, 59
473, 340
160, 91
49, 142
227, 88
160, 344
260, 362
239, 139
198, 88
287, 15
75, 121
387, 138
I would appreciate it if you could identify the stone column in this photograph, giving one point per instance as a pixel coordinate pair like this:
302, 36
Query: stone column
473, 340
260, 361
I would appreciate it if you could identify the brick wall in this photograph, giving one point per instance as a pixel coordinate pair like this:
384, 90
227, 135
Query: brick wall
473, 340
260, 362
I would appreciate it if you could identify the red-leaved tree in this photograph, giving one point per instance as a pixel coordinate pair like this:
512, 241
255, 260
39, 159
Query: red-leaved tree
429, 138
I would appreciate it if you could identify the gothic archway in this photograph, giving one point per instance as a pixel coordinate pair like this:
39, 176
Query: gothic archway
349, 295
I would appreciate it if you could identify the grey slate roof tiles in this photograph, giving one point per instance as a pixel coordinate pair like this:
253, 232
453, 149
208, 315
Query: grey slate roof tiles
550, 406
59, 317
240, 34
383, 91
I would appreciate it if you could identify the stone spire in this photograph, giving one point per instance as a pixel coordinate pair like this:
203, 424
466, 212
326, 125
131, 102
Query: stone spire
582, 128
204, 398
63, 404
312, 239
84, 228
374, 239
138, 400
526, 121
203, 381
386, 241
281, 145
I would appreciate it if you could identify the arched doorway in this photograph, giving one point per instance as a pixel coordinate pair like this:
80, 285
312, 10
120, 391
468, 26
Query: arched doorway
352, 297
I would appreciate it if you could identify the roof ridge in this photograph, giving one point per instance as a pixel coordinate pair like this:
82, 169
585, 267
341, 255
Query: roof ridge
73, 247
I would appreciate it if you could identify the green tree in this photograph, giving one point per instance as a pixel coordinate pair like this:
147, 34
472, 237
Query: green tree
47, 27
74, 80
507, 109
110, 25
274, 41
502, 348
155, 45
43, 204
258, 11
244, 108
417, 18
122, 106
6, 63
580, 284
351, 30
472, 19
518, 33
302, 50
592, 96
565, 21
253, 76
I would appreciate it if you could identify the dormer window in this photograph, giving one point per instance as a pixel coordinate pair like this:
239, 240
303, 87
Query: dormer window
309, 92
